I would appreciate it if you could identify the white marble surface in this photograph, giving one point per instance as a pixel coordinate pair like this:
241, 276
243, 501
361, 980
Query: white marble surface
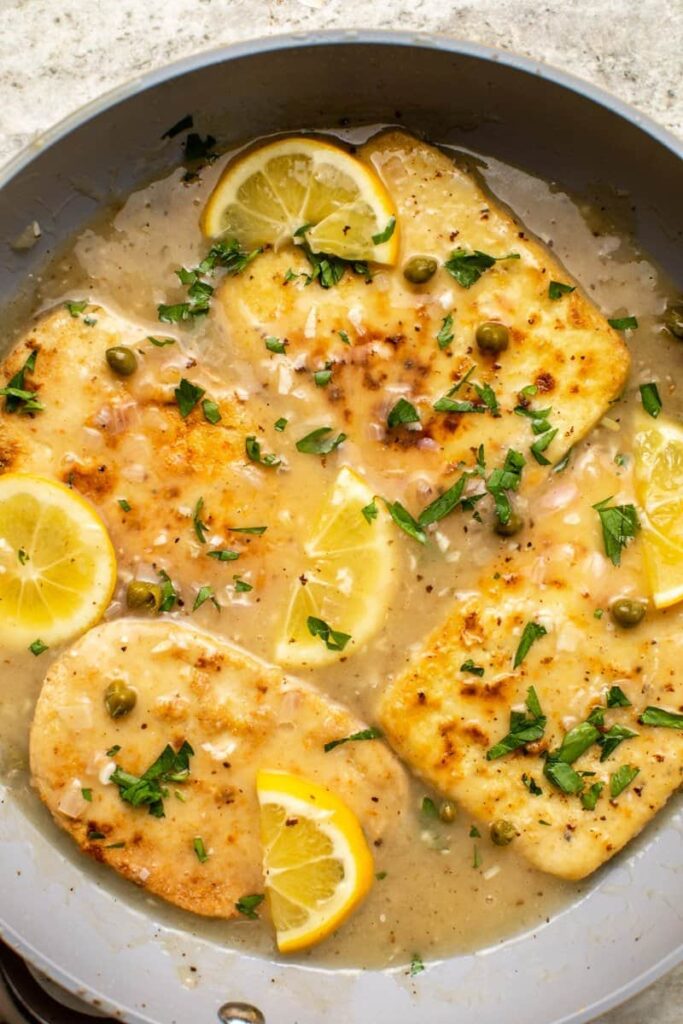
56, 55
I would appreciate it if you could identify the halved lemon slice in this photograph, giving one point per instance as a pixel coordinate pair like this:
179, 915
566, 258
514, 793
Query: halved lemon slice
659, 489
316, 860
57, 563
348, 581
265, 196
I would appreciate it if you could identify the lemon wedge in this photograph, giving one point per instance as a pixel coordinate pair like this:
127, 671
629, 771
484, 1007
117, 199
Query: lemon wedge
659, 489
268, 194
316, 860
347, 582
57, 563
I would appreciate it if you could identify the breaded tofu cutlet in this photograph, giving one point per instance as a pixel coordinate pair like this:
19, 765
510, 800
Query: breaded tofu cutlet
384, 338
237, 713
581, 775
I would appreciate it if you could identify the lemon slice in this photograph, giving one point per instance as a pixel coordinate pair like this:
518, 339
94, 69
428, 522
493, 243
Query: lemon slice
268, 194
57, 563
348, 580
659, 489
316, 860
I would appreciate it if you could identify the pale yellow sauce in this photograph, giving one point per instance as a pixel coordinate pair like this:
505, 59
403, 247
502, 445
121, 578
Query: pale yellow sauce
439, 896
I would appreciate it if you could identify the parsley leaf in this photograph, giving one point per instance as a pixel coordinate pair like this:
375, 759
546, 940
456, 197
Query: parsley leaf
187, 395
205, 593
445, 335
319, 443
256, 530
200, 527
469, 666
385, 235
576, 742
556, 289
563, 776
365, 734
247, 905
241, 586
621, 779
623, 323
17, 396
659, 716
275, 345
532, 631
323, 377
370, 511
125, 505
253, 450
169, 595
591, 796
328, 270
610, 740
403, 518
148, 789
530, 782
467, 267
332, 638
280, 424
416, 965
160, 342
200, 849
224, 555
524, 728
37, 648
445, 503
619, 525
506, 479
616, 698
212, 413
403, 412
649, 396
76, 308
344, 337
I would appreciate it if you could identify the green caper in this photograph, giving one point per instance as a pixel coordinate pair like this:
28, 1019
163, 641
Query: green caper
513, 525
143, 595
419, 269
447, 812
626, 612
502, 832
673, 319
119, 698
122, 360
492, 337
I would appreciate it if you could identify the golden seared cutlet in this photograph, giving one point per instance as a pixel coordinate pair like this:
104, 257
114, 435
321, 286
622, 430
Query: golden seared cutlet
123, 443
382, 337
237, 713
463, 694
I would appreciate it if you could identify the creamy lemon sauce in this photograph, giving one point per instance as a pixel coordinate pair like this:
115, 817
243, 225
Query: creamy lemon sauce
442, 888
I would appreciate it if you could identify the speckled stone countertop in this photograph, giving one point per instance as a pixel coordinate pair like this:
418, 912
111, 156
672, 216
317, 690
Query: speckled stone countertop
56, 56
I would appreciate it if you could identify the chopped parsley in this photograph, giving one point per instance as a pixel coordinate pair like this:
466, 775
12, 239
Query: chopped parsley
370, 511
323, 377
169, 594
556, 289
93, 835
576, 742
113, 751
125, 505
503, 480
403, 518
563, 463
530, 782
344, 337
200, 849
17, 397
446, 502
247, 905
280, 424
212, 413
416, 965
160, 342
540, 426
38, 647
115, 846
469, 666
486, 398
364, 734
253, 450
649, 396
224, 555
591, 796
386, 233
621, 779
619, 525
226, 255
380, 875
332, 638
563, 776
616, 698
403, 412
275, 345
468, 266
241, 586
475, 833
598, 613
445, 335
256, 530
187, 395
76, 308
200, 527
620, 459
661, 717
532, 631
623, 323
204, 594
318, 442
148, 789
525, 727
87, 795
428, 807
476, 857
610, 740
328, 270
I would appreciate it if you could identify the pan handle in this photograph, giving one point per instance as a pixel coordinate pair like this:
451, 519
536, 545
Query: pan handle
32, 1000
